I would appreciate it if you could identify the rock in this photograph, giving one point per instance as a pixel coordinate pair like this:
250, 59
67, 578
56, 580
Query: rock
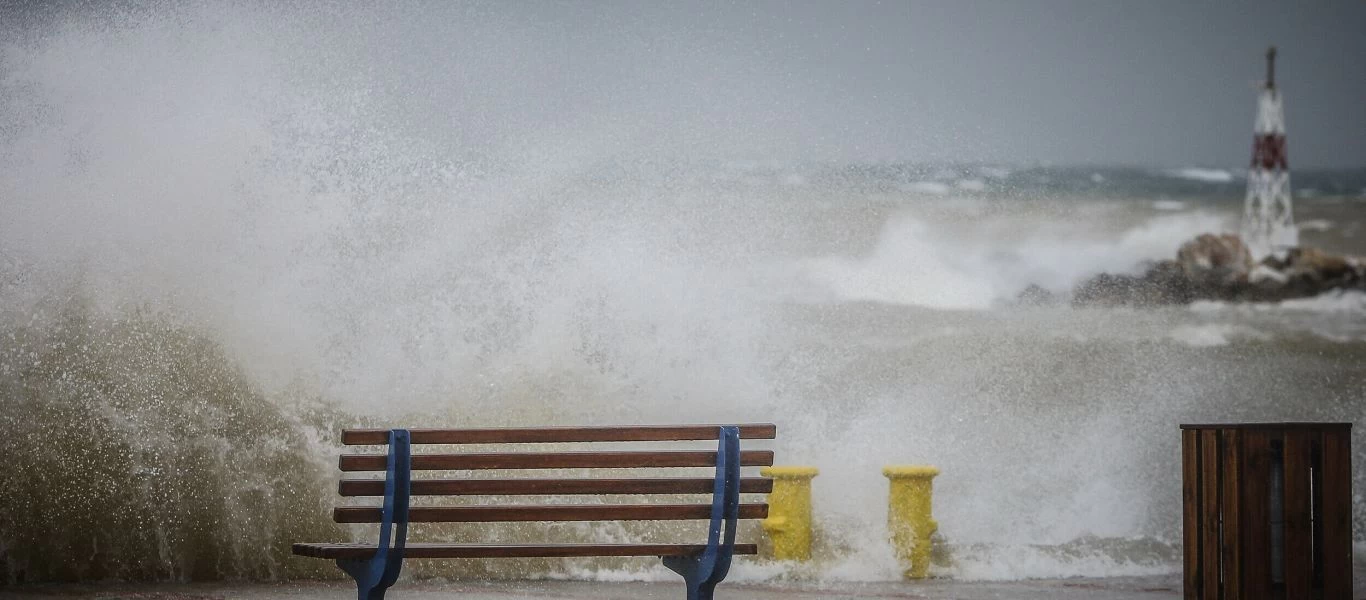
1318, 264
1220, 267
1310, 271
1162, 283
1035, 296
1222, 256
1104, 290
1170, 283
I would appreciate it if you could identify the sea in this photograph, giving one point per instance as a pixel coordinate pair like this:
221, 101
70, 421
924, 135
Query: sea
213, 260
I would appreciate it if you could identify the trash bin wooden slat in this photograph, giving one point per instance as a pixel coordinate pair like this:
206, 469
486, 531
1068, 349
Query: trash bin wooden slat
1209, 511
1190, 512
1231, 507
1337, 516
1256, 539
1267, 511
1299, 541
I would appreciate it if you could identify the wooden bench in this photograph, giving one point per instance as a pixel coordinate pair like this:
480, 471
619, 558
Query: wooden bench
702, 565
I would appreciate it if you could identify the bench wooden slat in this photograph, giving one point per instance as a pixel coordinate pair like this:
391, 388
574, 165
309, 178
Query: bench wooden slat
533, 487
533, 435
546, 512
363, 551
555, 460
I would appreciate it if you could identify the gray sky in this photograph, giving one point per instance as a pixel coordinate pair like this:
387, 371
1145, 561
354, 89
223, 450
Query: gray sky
1168, 83
1148, 83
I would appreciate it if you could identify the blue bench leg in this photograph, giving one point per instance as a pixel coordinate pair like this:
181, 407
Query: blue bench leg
701, 573
690, 568
374, 575
369, 581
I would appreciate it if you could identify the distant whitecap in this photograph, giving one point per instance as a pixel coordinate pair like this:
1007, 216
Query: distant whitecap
1202, 175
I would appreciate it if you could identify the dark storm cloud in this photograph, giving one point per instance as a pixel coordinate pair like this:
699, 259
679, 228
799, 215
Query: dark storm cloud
1157, 83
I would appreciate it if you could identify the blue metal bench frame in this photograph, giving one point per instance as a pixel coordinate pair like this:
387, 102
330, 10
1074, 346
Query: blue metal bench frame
701, 573
374, 575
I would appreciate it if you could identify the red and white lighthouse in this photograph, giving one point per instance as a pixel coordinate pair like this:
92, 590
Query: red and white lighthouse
1268, 220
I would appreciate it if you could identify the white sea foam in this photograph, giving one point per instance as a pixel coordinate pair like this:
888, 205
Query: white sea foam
1315, 225
1210, 306
1028, 562
1336, 301
861, 565
1349, 301
1215, 334
971, 185
967, 564
935, 188
1202, 174
654, 572
1201, 335
1169, 205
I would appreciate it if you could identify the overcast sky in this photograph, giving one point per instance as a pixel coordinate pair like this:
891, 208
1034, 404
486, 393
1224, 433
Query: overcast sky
1147, 83
1168, 83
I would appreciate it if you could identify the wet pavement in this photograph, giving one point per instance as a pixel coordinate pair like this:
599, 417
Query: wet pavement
1099, 589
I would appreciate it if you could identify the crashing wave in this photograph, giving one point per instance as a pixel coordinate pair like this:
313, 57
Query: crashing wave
136, 450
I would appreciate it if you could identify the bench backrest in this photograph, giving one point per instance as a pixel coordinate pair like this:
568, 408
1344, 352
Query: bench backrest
595, 459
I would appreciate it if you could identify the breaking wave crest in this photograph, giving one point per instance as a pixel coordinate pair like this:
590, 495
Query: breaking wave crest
917, 263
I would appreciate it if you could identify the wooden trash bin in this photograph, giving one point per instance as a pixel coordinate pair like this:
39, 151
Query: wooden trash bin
1267, 511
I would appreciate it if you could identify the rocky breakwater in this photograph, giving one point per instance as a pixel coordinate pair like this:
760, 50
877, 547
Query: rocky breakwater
1220, 267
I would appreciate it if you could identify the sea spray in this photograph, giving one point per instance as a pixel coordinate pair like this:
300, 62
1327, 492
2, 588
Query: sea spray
134, 449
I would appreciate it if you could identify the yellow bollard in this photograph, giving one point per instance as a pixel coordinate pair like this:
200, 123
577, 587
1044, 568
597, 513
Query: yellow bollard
909, 515
789, 511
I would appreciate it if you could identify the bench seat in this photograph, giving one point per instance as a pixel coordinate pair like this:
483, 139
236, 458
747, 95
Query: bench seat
376, 567
545, 512
421, 550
